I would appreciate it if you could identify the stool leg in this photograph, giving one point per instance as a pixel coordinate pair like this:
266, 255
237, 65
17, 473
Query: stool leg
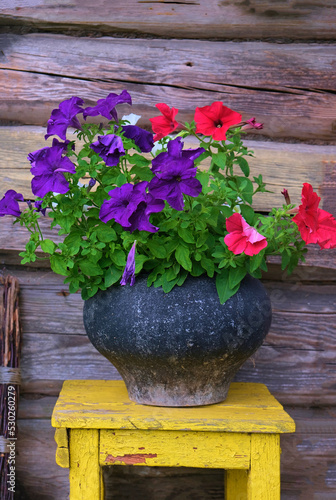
236, 484
85, 472
263, 482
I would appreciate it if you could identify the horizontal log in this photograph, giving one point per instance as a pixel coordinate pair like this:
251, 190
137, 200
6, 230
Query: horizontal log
42, 291
313, 164
186, 19
289, 88
296, 360
307, 420
307, 467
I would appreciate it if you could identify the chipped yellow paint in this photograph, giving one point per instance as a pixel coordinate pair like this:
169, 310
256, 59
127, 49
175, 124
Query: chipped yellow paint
236, 484
175, 448
98, 404
240, 435
263, 480
62, 452
85, 473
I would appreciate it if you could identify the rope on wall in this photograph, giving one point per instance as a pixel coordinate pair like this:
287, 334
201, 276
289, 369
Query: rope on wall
10, 337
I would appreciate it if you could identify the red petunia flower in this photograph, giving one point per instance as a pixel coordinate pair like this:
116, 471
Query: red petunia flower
215, 120
242, 237
166, 124
315, 225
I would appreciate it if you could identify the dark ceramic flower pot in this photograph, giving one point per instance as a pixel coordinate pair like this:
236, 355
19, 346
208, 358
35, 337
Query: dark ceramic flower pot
182, 348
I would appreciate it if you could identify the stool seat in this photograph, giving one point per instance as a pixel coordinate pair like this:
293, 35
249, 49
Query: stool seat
97, 425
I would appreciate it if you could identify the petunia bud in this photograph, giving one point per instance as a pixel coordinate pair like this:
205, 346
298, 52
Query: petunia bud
129, 272
286, 195
251, 123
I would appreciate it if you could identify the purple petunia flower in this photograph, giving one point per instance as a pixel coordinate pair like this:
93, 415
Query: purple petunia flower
129, 271
39, 154
109, 147
9, 203
122, 204
131, 207
64, 117
48, 166
148, 205
175, 174
38, 207
106, 107
143, 139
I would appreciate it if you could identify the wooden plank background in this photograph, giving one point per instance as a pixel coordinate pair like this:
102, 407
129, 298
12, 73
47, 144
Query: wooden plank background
272, 60
255, 19
289, 87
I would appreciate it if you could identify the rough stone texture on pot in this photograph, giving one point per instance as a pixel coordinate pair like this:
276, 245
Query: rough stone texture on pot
182, 348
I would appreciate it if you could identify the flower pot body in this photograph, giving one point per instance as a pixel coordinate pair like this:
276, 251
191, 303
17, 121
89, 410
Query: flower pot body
182, 348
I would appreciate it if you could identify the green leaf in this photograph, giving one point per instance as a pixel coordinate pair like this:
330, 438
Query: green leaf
167, 286
142, 172
182, 278
201, 239
248, 213
139, 262
204, 177
223, 288
58, 265
74, 286
219, 159
139, 160
255, 261
47, 246
92, 291
168, 224
112, 275
73, 242
186, 235
208, 265
197, 269
182, 257
106, 233
243, 165
119, 258
65, 221
285, 258
157, 249
227, 211
172, 272
236, 275
121, 179
90, 268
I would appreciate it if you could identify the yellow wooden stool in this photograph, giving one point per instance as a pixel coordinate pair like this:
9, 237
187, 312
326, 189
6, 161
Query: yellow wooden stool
97, 425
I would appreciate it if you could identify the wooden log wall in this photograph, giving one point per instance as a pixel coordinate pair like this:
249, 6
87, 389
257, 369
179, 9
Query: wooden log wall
272, 60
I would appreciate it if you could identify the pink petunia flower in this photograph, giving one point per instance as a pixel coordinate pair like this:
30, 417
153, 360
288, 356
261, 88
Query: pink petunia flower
215, 120
165, 124
242, 237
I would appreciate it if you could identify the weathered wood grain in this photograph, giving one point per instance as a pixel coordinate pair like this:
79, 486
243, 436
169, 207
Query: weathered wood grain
43, 294
187, 19
275, 161
296, 361
302, 375
290, 88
